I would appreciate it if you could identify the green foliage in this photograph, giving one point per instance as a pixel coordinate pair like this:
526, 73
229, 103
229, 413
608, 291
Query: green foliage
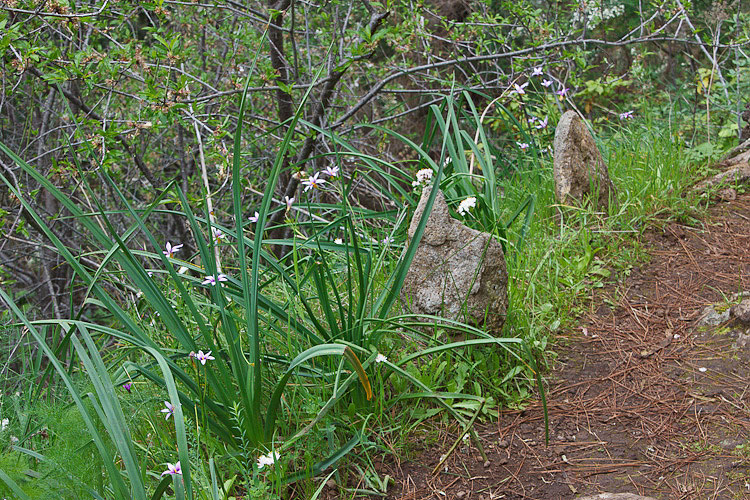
104, 168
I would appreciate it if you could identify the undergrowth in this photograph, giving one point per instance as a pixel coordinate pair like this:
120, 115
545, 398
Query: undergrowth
347, 377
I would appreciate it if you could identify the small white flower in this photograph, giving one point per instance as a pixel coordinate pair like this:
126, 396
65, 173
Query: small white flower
13, 440
546, 83
314, 181
519, 89
288, 202
424, 176
537, 71
171, 250
380, 358
338, 241
4, 424
200, 356
269, 459
523, 145
299, 175
387, 240
173, 470
542, 123
212, 280
702, 369
331, 171
466, 205
168, 410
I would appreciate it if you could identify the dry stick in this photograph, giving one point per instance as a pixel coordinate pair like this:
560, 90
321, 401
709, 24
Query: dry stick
469, 427
325, 96
209, 202
56, 14
703, 49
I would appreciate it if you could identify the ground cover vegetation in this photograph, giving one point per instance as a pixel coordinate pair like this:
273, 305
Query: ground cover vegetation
204, 213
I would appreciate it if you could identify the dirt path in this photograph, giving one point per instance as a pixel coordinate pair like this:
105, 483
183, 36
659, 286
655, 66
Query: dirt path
643, 401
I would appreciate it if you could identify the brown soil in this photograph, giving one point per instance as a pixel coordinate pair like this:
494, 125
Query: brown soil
640, 400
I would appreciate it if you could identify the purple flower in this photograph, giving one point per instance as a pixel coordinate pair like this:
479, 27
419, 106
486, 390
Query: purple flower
524, 146
537, 71
218, 234
314, 181
331, 171
173, 470
626, 115
171, 250
212, 280
200, 356
546, 83
562, 92
254, 218
127, 386
168, 410
288, 202
542, 123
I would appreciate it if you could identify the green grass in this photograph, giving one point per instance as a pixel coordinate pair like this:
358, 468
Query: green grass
315, 321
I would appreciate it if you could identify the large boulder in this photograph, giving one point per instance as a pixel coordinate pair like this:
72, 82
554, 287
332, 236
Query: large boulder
457, 273
578, 164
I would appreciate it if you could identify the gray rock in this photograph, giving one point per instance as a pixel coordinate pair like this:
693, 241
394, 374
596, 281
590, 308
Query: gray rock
578, 164
741, 311
458, 273
711, 317
615, 496
742, 342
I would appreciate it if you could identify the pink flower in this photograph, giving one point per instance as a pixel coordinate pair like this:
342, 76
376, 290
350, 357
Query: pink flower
562, 92
171, 250
524, 146
212, 280
169, 410
254, 218
173, 470
331, 171
200, 356
626, 115
314, 181
546, 83
542, 123
127, 386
